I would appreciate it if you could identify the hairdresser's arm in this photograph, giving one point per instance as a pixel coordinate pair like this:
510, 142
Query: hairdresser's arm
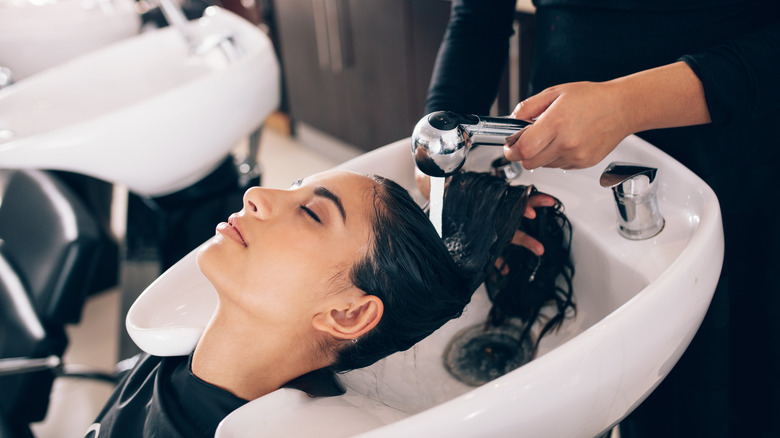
580, 123
472, 57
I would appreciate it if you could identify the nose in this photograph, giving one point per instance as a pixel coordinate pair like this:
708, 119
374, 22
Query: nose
259, 202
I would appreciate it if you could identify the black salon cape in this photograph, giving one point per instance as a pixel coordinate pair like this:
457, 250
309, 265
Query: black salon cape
160, 397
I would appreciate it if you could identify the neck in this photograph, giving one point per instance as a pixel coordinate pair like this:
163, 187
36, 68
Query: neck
247, 359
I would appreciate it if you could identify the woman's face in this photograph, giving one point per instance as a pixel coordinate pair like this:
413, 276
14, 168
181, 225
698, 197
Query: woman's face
288, 251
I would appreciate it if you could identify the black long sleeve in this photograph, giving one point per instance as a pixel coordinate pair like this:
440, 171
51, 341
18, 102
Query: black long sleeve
741, 78
472, 57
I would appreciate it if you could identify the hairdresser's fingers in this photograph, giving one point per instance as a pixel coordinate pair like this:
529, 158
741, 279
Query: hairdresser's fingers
545, 158
536, 201
512, 139
528, 142
522, 239
534, 106
502, 267
559, 163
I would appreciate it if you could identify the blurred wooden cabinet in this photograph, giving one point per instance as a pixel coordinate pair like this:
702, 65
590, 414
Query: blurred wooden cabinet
359, 70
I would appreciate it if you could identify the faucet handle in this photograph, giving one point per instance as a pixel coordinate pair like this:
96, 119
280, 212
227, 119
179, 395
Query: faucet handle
617, 174
634, 189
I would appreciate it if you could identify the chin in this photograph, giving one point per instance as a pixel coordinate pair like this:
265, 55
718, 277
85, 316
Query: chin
206, 253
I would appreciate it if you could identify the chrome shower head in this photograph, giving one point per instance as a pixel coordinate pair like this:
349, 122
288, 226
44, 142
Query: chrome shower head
442, 139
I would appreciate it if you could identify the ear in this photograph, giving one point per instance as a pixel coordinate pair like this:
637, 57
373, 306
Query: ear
351, 317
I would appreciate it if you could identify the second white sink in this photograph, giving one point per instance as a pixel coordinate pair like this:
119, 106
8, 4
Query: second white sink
143, 112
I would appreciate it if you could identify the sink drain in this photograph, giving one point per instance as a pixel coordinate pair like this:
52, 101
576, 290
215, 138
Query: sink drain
479, 354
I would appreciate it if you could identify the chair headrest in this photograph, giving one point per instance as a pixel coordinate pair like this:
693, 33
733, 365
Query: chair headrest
169, 317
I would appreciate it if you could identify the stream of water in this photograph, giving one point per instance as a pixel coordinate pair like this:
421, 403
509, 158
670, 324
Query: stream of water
436, 202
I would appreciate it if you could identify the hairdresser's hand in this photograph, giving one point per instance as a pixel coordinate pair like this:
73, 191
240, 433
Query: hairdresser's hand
576, 126
522, 239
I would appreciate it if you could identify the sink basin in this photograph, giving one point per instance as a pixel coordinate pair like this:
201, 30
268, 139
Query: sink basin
38, 34
145, 111
639, 303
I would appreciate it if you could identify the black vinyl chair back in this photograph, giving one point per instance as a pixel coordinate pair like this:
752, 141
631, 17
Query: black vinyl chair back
21, 335
51, 239
49, 245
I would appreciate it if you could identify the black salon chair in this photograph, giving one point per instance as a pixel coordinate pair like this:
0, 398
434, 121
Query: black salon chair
49, 247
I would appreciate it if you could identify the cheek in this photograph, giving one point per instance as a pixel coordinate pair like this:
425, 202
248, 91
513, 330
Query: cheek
292, 289
269, 286
282, 279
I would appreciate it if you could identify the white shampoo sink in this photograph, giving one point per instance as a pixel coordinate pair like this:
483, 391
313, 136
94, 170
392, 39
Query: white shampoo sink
144, 112
639, 303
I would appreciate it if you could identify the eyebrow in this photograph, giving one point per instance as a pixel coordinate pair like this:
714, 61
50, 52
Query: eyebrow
327, 194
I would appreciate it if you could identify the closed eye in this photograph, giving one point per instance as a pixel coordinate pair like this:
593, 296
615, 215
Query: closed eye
311, 213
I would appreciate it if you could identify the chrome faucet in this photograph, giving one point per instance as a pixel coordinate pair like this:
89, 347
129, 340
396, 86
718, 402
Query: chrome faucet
634, 188
225, 42
442, 139
176, 18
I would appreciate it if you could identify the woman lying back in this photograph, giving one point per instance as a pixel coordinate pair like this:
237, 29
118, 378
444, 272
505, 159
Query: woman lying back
337, 272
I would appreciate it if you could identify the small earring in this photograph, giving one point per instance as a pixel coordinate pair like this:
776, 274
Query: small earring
354, 340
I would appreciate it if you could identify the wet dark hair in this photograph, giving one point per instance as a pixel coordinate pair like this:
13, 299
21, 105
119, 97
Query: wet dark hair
480, 215
409, 269
423, 280
532, 282
477, 229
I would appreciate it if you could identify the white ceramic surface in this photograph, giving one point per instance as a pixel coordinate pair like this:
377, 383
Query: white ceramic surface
170, 315
38, 34
143, 112
639, 305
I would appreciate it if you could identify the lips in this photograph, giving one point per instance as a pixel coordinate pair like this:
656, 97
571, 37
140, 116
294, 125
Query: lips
231, 230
